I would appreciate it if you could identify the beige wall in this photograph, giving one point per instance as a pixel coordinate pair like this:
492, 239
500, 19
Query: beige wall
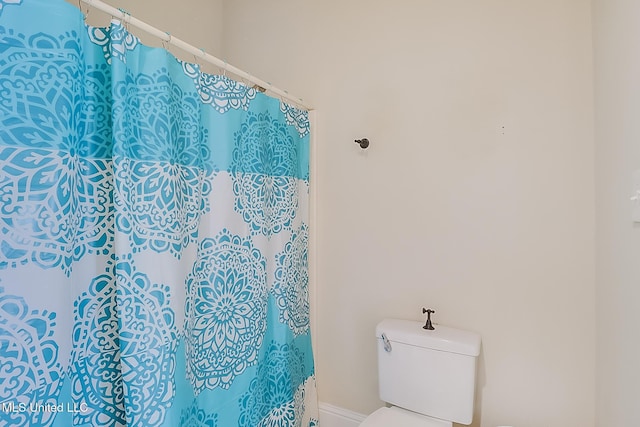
476, 197
616, 35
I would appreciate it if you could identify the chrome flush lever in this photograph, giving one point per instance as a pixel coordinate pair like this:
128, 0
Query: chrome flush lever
386, 343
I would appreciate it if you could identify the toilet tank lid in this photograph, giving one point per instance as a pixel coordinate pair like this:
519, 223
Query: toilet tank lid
442, 338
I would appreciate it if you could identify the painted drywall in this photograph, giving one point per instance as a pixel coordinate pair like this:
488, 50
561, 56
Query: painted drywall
617, 67
475, 198
197, 22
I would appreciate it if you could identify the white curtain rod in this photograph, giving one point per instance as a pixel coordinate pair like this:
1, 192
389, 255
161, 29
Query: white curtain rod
199, 53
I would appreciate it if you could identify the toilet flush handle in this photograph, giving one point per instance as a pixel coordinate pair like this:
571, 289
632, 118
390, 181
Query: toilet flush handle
386, 343
428, 325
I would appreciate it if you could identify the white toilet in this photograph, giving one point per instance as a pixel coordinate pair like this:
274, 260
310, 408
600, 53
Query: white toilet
429, 376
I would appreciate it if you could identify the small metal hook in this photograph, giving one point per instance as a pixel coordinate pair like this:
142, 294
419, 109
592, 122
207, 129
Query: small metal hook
126, 18
125, 14
165, 42
85, 15
364, 142
198, 58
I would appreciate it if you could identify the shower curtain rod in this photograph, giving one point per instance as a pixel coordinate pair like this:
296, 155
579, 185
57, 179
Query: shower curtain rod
199, 53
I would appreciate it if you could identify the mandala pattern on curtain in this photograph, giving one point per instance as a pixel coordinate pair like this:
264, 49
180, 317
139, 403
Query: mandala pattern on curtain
153, 236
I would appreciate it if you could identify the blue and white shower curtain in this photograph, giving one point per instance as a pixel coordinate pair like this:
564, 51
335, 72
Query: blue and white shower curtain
153, 247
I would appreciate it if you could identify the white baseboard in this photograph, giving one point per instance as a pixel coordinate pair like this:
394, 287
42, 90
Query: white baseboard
334, 416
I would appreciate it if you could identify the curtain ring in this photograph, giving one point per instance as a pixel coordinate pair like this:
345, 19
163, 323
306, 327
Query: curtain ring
85, 15
283, 98
164, 42
202, 56
126, 17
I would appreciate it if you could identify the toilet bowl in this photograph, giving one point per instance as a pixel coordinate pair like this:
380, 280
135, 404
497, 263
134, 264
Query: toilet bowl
398, 417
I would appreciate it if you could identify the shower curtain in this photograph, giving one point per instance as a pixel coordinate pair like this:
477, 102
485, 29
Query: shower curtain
154, 232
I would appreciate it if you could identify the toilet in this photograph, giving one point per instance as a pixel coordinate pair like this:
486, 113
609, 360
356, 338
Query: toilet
427, 376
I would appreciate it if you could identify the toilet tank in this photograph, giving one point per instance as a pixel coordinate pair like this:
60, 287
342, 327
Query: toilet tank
429, 372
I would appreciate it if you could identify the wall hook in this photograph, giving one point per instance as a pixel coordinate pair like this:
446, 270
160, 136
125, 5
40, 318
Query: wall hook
364, 143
